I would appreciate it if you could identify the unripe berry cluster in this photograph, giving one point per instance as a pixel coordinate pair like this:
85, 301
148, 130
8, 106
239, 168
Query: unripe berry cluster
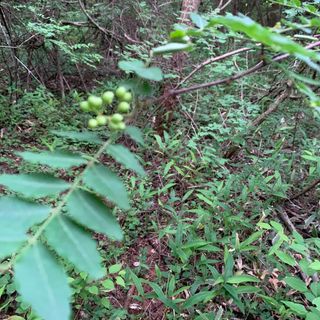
98, 106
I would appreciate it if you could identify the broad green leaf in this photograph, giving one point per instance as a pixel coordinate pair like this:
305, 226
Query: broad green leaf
35, 185
139, 68
135, 134
241, 279
115, 268
108, 284
89, 137
286, 258
261, 34
43, 284
316, 301
255, 236
89, 210
77, 246
315, 265
296, 308
198, 20
10, 241
126, 157
201, 297
19, 215
57, 159
107, 183
296, 284
172, 47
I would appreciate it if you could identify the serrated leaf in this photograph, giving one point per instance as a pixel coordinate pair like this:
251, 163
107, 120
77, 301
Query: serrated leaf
89, 210
56, 159
90, 137
297, 308
19, 215
241, 279
124, 156
198, 20
172, 47
77, 246
135, 134
261, 34
108, 184
42, 283
35, 185
296, 284
10, 241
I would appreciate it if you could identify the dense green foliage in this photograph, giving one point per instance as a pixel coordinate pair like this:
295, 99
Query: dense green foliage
210, 210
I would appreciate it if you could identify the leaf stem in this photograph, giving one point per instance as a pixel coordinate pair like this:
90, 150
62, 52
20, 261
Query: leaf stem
56, 210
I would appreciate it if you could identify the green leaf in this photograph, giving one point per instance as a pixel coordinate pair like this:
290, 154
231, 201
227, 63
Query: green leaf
89, 137
90, 211
124, 156
255, 236
162, 297
107, 183
261, 34
286, 258
139, 68
135, 134
10, 241
315, 265
120, 281
296, 308
172, 47
296, 284
77, 246
115, 268
316, 301
19, 215
241, 279
201, 297
57, 159
42, 283
35, 185
198, 20
108, 284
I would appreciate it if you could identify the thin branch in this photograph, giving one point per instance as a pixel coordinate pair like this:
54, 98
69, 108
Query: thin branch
211, 60
103, 30
305, 190
237, 76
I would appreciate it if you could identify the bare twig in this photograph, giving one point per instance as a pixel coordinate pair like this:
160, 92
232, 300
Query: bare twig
253, 69
211, 60
305, 190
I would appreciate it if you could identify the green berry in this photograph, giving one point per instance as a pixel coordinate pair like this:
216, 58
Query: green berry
92, 123
117, 118
127, 97
120, 92
121, 126
113, 126
102, 120
107, 97
84, 106
123, 107
95, 102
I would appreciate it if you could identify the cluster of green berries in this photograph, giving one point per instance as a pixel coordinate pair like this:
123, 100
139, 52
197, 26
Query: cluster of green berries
97, 105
